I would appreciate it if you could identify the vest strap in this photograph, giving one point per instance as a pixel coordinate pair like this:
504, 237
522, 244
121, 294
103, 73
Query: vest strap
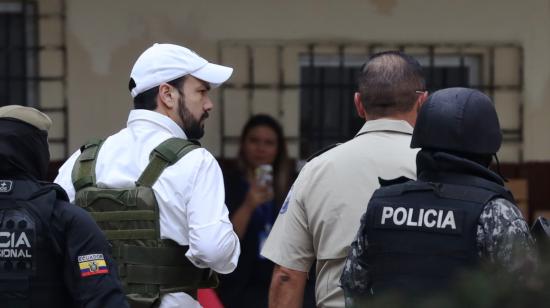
477, 194
83, 173
134, 295
136, 234
134, 215
165, 154
162, 256
170, 275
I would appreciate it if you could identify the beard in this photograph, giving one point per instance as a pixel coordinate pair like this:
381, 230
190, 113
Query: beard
193, 128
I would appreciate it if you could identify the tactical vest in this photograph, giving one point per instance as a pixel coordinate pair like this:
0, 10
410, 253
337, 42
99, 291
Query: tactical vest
148, 266
31, 260
420, 234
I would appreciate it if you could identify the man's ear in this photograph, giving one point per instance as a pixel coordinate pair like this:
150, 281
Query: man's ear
422, 98
359, 106
167, 96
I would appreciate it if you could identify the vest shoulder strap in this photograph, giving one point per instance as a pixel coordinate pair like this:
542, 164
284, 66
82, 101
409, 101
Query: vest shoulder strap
165, 154
59, 191
474, 194
83, 173
40, 202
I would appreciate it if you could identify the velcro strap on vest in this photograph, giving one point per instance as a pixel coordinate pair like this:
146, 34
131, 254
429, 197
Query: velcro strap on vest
166, 266
443, 190
399, 189
173, 149
169, 275
137, 300
166, 256
152, 171
164, 155
83, 173
136, 234
83, 182
136, 215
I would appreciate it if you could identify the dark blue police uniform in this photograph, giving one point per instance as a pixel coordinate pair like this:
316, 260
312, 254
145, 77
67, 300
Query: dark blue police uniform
52, 254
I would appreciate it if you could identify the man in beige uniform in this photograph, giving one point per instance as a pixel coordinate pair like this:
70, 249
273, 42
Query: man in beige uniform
321, 214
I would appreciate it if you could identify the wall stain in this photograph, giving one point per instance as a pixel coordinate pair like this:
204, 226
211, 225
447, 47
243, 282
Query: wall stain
384, 6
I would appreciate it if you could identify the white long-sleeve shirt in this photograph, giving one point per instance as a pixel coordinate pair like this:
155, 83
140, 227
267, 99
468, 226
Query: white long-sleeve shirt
190, 193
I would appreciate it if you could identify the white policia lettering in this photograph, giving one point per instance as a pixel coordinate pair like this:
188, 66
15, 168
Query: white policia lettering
7, 239
15, 253
429, 218
10, 243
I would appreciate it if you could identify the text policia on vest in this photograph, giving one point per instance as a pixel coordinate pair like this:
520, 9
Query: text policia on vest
415, 217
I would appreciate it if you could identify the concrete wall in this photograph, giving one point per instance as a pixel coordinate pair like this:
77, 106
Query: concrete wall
105, 37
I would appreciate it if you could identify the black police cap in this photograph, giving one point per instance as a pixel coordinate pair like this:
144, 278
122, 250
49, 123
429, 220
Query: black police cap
458, 119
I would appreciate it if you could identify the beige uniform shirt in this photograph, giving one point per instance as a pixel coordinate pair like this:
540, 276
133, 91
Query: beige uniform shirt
322, 212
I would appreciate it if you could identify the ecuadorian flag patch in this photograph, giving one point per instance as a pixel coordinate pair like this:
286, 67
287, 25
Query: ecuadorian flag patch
93, 264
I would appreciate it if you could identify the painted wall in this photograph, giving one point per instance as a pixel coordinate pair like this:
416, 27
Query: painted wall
105, 37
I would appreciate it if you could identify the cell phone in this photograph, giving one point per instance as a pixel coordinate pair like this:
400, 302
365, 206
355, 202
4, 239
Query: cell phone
264, 174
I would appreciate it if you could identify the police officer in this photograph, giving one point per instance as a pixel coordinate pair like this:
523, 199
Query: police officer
320, 216
52, 254
415, 236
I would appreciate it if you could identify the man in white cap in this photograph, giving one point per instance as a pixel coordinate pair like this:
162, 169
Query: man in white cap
52, 253
169, 85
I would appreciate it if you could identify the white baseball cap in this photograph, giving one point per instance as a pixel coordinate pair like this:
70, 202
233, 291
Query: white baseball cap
166, 62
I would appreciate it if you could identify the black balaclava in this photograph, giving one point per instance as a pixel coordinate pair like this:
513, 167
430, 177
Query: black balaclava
23, 150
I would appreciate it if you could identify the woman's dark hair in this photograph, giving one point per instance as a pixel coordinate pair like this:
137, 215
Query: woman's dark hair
281, 166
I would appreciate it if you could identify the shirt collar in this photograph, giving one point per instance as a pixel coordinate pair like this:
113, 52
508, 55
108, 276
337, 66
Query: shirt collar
143, 117
399, 126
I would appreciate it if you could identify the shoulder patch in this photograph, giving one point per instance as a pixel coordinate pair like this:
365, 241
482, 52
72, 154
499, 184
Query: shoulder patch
92, 264
323, 150
6, 186
284, 208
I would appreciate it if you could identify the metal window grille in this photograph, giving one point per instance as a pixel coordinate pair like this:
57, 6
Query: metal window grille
309, 86
33, 62
17, 61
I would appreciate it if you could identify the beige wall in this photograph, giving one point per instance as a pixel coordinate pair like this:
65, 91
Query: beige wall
105, 37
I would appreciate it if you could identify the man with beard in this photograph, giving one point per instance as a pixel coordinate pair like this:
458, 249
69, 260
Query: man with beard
170, 85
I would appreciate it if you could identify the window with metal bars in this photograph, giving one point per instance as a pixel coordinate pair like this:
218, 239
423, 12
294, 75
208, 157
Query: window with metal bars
328, 85
309, 86
17, 60
33, 63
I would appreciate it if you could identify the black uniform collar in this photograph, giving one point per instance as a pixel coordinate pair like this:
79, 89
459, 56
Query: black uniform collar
25, 188
440, 166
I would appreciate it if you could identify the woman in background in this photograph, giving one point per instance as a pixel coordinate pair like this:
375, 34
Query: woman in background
254, 200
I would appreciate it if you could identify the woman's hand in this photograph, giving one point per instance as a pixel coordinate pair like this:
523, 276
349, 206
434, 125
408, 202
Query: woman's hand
258, 194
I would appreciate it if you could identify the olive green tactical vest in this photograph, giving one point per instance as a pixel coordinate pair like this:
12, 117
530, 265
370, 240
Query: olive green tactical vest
129, 217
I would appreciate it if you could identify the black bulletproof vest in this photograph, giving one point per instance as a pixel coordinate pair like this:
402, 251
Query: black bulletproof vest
31, 262
420, 234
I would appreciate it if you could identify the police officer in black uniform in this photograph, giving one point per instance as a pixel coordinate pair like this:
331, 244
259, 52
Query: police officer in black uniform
52, 254
415, 236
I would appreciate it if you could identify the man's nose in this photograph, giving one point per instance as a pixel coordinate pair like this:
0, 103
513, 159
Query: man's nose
208, 105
